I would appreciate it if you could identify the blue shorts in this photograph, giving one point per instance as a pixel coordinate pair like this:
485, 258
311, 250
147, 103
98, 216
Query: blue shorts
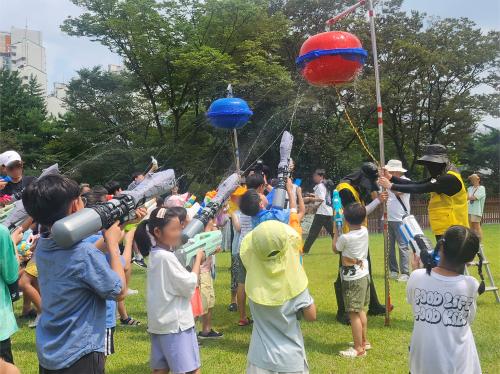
177, 352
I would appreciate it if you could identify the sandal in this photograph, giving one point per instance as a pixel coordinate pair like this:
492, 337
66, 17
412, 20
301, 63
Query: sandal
129, 322
245, 322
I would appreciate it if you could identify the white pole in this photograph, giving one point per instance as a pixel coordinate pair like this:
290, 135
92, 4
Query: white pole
382, 157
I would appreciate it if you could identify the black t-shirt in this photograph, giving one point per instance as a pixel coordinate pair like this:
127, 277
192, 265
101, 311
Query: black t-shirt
12, 188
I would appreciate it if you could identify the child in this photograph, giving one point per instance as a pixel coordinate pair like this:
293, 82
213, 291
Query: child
254, 204
444, 305
355, 276
276, 285
8, 284
174, 347
74, 283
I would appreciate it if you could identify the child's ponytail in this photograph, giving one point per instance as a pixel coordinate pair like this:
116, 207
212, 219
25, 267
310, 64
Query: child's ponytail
482, 286
142, 238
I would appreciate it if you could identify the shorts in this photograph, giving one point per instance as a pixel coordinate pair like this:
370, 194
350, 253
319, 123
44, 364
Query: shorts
475, 218
6, 351
92, 363
240, 271
356, 294
252, 369
109, 341
207, 291
178, 353
31, 268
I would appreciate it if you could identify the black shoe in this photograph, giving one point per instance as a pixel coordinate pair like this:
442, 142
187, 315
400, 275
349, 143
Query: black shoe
378, 310
210, 335
140, 263
233, 307
343, 319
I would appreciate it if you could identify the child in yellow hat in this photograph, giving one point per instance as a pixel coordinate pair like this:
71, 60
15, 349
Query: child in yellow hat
276, 285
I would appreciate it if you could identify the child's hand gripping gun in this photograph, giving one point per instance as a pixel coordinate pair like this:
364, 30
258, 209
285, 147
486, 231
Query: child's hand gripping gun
338, 215
418, 242
210, 242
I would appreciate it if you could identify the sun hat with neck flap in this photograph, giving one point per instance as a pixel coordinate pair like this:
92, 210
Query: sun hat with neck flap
271, 255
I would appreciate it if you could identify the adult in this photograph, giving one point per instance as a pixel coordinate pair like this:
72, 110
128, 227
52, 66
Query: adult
14, 167
476, 194
398, 205
360, 187
448, 202
324, 214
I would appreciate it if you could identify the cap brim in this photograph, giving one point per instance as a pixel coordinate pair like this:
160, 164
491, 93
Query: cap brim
437, 159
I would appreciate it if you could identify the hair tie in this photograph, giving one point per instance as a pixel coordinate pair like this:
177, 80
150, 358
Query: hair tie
161, 213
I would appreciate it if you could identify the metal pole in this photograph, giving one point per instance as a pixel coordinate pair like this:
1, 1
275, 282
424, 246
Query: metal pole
345, 13
382, 157
236, 151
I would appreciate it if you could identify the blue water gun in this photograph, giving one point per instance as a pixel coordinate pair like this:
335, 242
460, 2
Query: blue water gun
24, 247
5, 178
338, 215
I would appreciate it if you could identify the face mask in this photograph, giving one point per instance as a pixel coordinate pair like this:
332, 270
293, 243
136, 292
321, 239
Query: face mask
435, 169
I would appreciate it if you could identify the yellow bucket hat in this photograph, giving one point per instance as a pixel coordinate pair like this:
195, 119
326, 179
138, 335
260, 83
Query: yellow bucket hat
271, 255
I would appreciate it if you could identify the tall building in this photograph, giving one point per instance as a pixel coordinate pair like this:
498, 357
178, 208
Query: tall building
22, 50
55, 101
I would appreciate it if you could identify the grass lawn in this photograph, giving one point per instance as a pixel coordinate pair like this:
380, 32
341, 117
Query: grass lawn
323, 338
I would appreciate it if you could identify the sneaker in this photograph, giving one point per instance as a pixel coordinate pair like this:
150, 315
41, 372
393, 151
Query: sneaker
352, 353
210, 335
34, 323
233, 307
394, 275
130, 291
368, 346
403, 278
140, 262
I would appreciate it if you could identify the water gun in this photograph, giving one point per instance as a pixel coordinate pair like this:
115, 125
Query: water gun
338, 215
190, 202
24, 247
297, 182
5, 178
208, 241
420, 244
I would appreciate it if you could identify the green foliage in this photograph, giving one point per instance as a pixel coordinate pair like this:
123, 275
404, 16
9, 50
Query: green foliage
23, 124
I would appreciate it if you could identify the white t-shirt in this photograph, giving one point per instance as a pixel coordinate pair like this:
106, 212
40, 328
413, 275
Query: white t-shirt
354, 245
395, 211
169, 291
246, 226
320, 191
443, 309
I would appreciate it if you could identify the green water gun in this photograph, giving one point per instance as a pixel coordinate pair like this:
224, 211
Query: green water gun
209, 241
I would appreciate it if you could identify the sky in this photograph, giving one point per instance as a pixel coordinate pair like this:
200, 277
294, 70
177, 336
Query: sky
66, 54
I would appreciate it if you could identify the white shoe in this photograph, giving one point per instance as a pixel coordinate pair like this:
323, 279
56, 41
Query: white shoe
394, 275
352, 353
368, 346
130, 291
403, 278
34, 323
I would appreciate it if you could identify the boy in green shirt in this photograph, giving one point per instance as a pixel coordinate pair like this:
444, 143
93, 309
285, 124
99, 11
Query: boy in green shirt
9, 271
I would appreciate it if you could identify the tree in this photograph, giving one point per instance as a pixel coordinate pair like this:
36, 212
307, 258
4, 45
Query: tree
23, 117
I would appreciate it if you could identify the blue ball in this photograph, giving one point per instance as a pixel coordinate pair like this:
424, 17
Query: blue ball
229, 113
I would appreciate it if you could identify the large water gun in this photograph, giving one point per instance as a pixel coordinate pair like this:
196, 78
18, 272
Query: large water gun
420, 244
338, 215
280, 194
208, 241
198, 223
5, 178
190, 202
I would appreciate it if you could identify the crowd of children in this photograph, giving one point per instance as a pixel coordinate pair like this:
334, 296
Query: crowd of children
78, 291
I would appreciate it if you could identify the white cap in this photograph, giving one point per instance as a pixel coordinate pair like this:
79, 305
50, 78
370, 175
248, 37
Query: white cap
9, 157
395, 165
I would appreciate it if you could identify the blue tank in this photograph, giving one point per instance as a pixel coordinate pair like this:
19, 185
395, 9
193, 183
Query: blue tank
229, 113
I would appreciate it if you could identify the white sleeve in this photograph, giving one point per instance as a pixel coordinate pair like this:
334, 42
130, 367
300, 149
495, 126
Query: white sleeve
372, 206
321, 192
182, 281
340, 245
410, 288
474, 285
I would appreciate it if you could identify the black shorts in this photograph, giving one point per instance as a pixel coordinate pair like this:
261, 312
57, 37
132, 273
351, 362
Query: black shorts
93, 363
6, 351
109, 341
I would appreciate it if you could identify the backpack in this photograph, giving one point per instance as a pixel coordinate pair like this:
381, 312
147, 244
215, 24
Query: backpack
330, 186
